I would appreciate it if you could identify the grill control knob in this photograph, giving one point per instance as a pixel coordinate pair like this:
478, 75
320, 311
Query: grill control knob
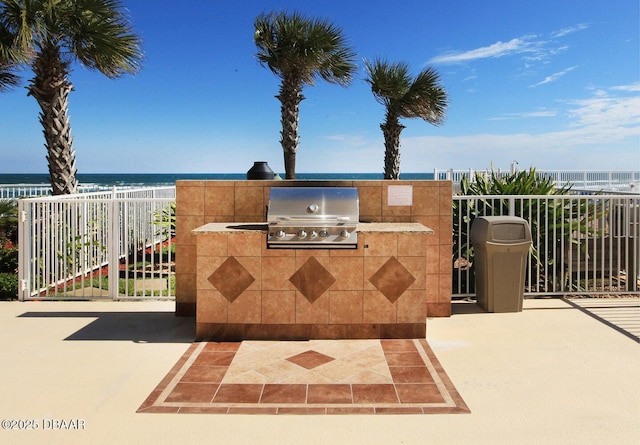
344, 234
323, 234
280, 234
313, 234
302, 234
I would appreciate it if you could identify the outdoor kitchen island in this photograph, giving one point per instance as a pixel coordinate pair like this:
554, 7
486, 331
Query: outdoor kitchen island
246, 290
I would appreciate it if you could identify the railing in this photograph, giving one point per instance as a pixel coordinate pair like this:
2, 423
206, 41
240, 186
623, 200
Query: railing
15, 191
581, 244
114, 244
590, 181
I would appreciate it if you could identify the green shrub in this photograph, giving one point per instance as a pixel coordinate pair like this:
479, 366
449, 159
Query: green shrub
166, 220
8, 221
9, 260
8, 286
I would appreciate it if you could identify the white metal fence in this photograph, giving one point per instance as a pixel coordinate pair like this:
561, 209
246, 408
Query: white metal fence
116, 244
581, 244
591, 181
15, 191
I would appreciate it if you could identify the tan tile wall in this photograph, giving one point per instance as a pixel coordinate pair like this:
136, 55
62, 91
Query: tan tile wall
201, 202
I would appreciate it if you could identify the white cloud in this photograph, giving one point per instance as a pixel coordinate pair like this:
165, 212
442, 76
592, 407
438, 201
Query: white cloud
603, 133
525, 115
630, 87
353, 140
498, 49
536, 49
608, 114
601, 126
554, 77
579, 149
570, 30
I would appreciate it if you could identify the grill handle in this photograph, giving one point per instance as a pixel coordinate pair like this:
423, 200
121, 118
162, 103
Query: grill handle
313, 218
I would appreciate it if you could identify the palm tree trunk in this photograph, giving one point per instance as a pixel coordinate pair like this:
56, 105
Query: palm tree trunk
50, 87
391, 130
290, 98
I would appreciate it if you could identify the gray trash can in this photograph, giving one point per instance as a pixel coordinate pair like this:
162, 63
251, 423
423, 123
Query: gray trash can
501, 246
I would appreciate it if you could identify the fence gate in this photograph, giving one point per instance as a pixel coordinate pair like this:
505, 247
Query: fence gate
115, 245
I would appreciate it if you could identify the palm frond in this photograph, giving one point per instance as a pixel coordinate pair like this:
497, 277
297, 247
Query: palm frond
293, 46
101, 37
8, 80
389, 81
407, 97
425, 99
95, 32
11, 56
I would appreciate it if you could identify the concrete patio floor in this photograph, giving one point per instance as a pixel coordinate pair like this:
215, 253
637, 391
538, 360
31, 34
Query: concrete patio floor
549, 375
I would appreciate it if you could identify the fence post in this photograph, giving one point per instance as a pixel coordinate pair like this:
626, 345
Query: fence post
610, 181
113, 247
24, 248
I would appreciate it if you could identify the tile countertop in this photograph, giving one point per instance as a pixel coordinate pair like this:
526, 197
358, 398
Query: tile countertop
362, 227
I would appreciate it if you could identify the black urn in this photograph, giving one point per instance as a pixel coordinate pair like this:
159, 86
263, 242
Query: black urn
260, 170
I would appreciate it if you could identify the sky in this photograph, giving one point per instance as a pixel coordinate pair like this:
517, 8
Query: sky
550, 84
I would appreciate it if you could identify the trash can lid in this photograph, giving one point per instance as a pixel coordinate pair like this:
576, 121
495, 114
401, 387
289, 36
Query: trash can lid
500, 229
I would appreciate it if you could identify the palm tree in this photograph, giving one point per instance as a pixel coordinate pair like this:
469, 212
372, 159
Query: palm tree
404, 97
54, 34
300, 50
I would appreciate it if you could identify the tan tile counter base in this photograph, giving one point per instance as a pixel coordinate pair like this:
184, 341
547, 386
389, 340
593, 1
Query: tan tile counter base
310, 377
248, 291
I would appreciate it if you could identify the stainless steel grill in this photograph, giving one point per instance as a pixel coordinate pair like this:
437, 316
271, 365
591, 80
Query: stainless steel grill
313, 217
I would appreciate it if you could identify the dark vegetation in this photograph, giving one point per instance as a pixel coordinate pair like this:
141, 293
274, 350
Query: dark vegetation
8, 249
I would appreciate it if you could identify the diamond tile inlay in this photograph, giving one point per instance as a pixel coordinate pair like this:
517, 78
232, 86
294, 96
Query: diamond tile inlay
310, 359
231, 279
392, 279
312, 279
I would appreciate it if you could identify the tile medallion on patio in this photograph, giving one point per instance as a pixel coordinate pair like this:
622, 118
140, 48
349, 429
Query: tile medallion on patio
307, 377
310, 359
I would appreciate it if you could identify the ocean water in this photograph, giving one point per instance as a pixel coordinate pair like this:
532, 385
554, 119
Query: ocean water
164, 179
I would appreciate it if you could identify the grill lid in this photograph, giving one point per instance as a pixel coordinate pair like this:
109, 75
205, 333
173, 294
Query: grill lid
313, 217
313, 204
